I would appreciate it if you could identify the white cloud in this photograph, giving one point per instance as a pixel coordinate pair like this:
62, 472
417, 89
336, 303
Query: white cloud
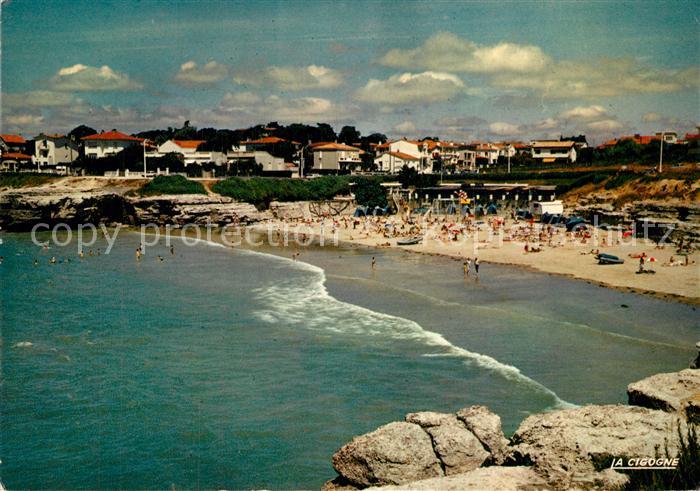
604, 125
407, 127
23, 120
249, 107
86, 78
242, 99
208, 74
38, 98
446, 51
651, 117
419, 88
504, 129
289, 78
584, 112
600, 78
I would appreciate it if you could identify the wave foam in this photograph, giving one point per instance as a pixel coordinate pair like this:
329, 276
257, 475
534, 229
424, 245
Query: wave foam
291, 301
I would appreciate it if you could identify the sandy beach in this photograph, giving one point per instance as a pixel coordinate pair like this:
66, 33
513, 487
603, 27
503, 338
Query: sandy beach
503, 241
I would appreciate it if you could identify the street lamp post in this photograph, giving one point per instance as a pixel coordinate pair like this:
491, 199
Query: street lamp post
661, 153
144, 158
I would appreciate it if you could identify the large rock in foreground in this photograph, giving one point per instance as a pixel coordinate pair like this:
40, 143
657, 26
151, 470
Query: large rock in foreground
563, 445
486, 426
484, 479
666, 391
396, 453
458, 449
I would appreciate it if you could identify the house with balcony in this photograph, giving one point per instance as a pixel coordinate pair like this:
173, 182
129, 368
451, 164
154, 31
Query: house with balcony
108, 143
554, 151
55, 152
393, 162
12, 143
335, 157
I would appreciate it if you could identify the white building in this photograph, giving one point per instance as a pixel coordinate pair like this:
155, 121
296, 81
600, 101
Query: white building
669, 137
554, 151
421, 150
190, 153
108, 143
54, 150
335, 156
393, 162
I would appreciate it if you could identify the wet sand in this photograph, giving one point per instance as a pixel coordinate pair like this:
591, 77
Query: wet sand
562, 256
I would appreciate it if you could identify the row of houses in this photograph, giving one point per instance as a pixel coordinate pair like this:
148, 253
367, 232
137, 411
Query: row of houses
55, 152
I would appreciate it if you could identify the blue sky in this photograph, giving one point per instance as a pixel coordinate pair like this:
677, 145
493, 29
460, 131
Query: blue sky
459, 70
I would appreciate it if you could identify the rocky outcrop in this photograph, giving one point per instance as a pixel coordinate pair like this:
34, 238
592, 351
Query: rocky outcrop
427, 444
458, 449
21, 209
483, 479
396, 453
677, 391
564, 449
486, 426
571, 446
199, 209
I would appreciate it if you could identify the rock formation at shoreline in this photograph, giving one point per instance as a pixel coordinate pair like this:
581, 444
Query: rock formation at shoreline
21, 209
563, 449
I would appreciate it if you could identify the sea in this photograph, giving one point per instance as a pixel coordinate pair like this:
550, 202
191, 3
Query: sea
228, 368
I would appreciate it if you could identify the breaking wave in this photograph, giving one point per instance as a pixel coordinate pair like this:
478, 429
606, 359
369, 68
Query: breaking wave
305, 301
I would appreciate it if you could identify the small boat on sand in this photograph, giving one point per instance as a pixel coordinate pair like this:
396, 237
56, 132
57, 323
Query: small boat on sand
410, 240
609, 259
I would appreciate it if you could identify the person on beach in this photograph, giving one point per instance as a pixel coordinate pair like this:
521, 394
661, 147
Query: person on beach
641, 264
476, 265
172, 250
138, 253
374, 263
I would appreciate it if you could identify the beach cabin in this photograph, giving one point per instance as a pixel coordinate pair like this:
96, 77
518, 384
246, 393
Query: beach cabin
551, 207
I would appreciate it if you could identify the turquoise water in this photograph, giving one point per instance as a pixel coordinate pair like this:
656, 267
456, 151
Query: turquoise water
236, 369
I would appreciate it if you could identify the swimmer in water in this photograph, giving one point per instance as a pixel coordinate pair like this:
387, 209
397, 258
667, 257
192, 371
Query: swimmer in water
374, 262
53, 260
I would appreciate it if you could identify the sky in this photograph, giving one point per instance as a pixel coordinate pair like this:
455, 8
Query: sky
457, 70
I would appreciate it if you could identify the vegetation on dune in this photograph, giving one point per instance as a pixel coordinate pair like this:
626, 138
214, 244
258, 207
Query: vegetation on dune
172, 185
262, 191
24, 179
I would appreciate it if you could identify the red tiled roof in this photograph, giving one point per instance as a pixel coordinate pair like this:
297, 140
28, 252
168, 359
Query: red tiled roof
7, 138
269, 140
15, 156
552, 144
189, 143
692, 136
336, 146
113, 135
401, 155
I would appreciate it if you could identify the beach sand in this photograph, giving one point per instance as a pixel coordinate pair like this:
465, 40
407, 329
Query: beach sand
566, 256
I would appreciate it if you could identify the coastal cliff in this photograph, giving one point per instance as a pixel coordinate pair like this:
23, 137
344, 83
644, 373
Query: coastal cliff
562, 449
102, 201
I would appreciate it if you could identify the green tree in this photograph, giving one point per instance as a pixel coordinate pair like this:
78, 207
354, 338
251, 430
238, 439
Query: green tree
77, 133
370, 193
349, 135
